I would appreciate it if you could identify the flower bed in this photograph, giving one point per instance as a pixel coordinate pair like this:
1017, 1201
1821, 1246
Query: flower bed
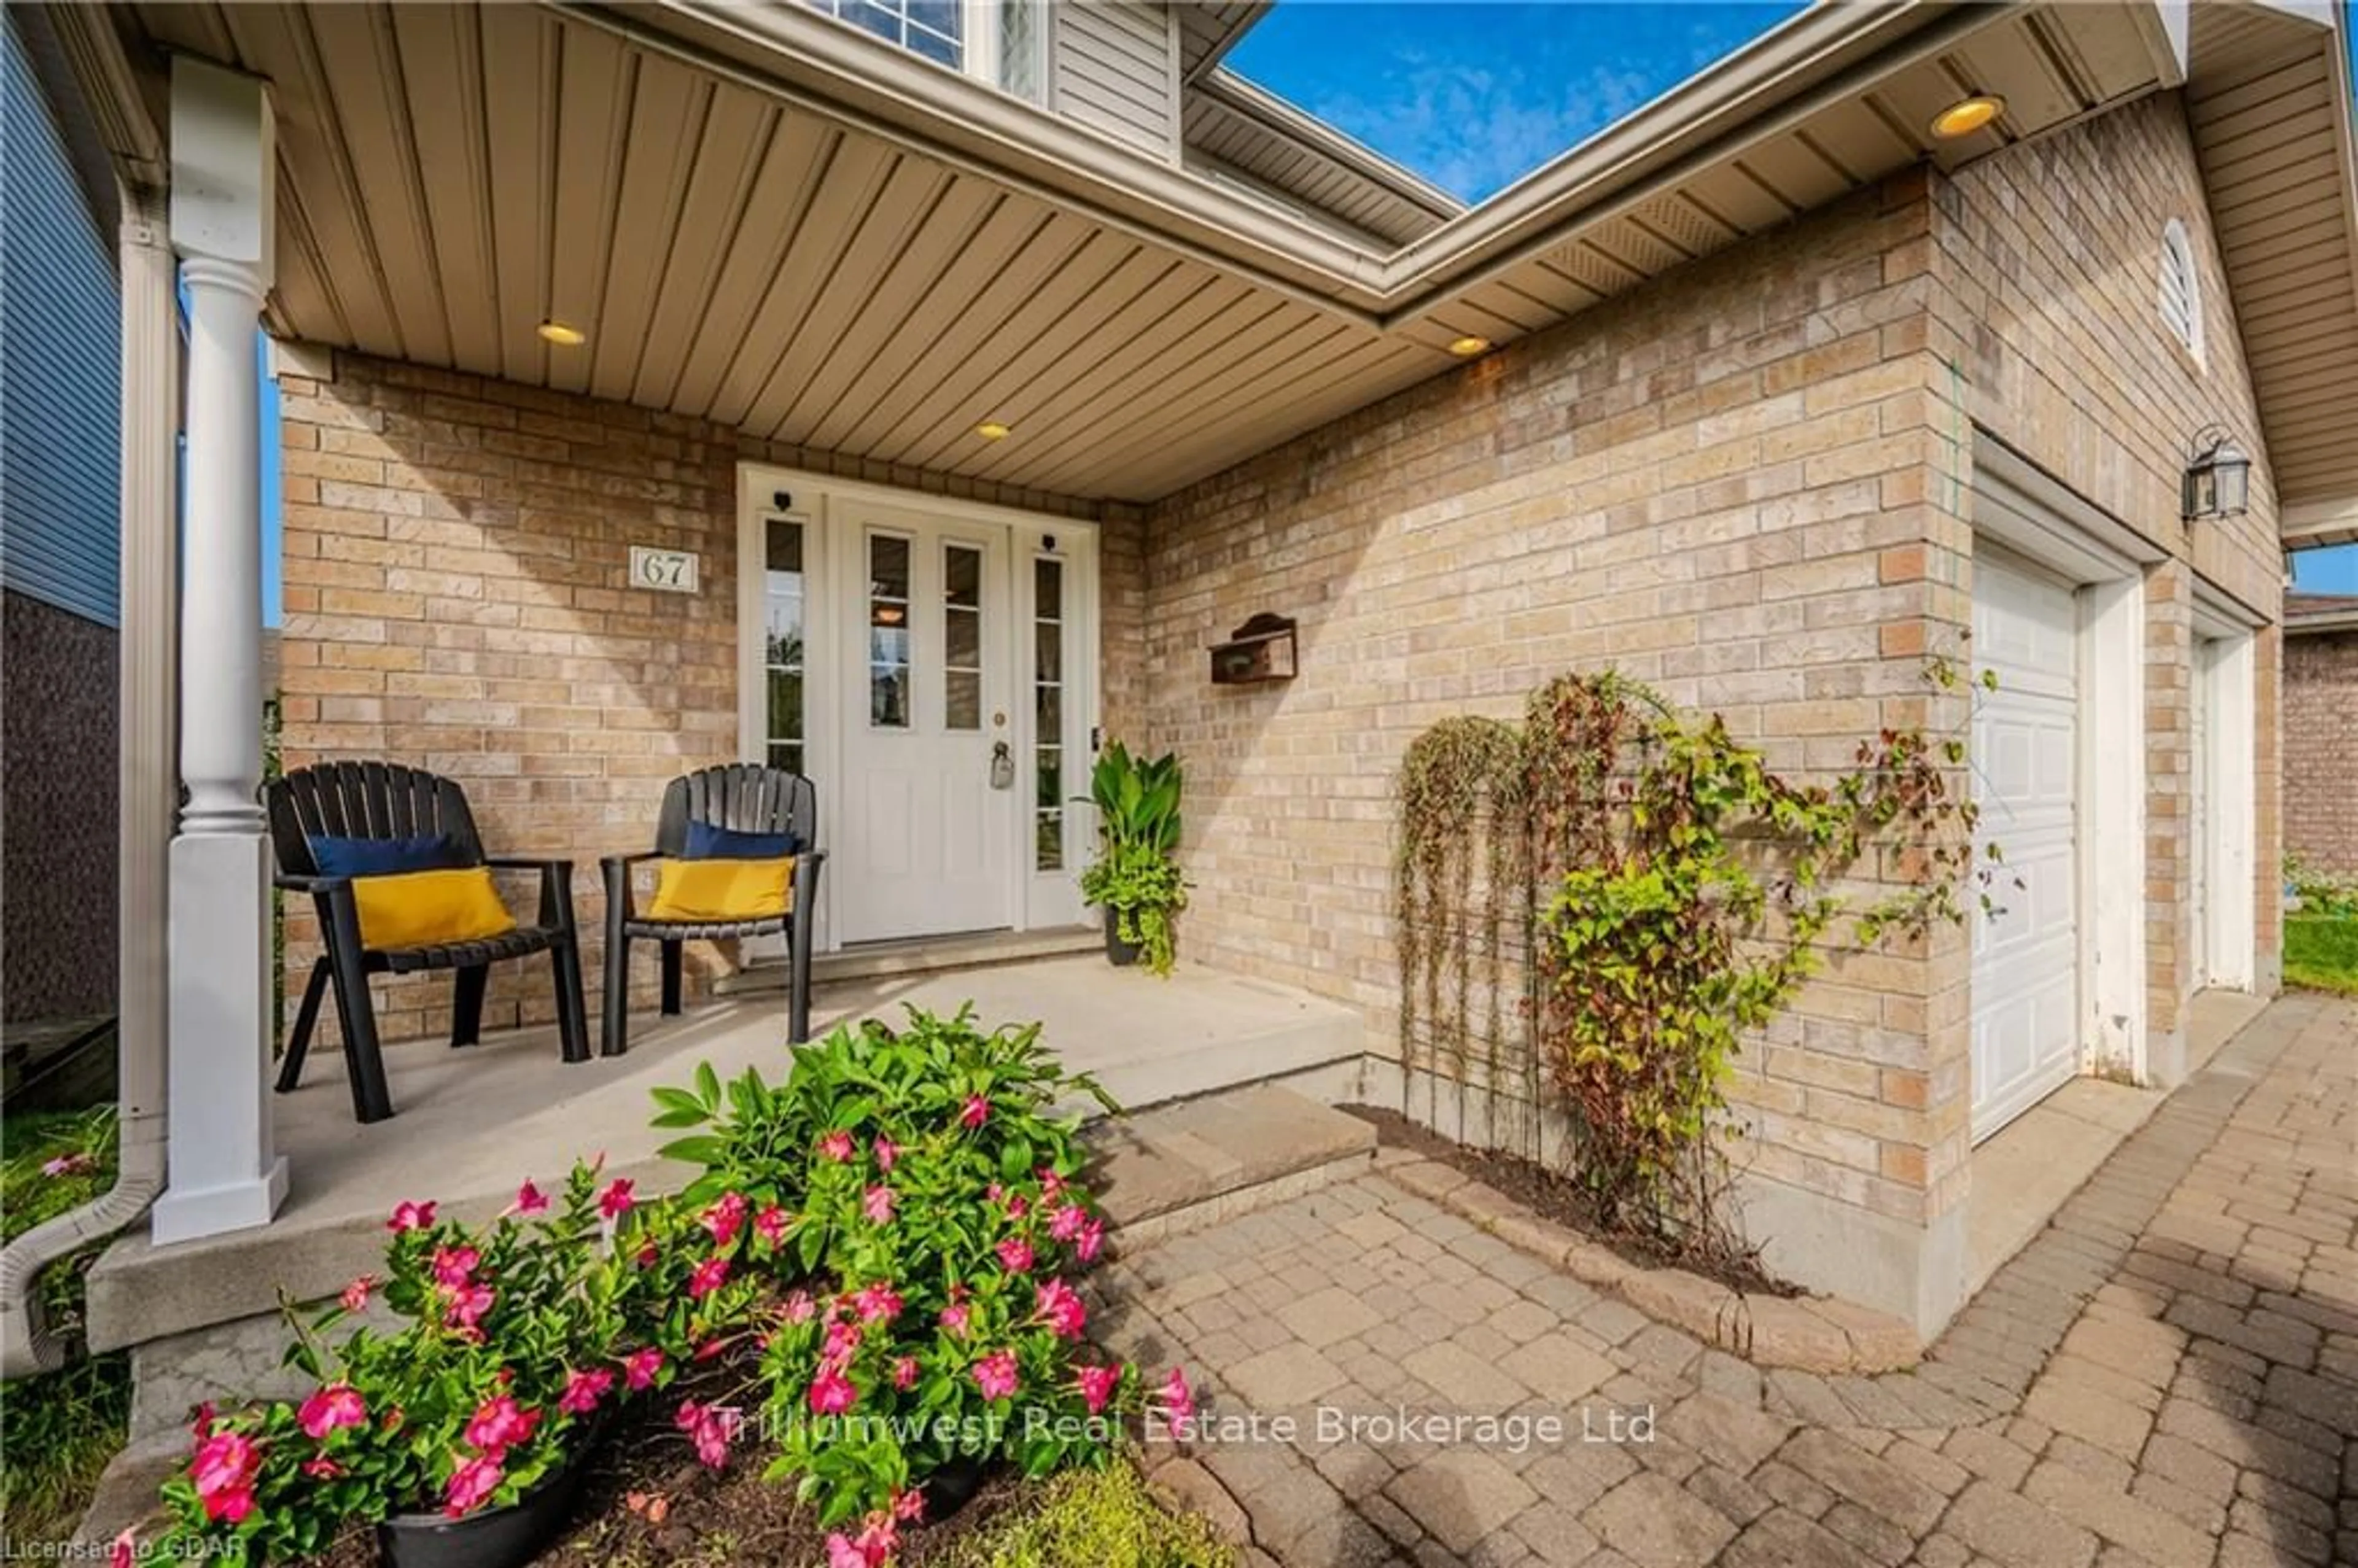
868, 1287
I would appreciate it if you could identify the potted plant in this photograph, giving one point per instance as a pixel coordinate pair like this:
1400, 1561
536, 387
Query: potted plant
1134, 880
455, 1435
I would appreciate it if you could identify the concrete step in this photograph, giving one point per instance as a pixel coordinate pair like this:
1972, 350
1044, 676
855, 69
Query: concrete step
930, 955
1194, 1163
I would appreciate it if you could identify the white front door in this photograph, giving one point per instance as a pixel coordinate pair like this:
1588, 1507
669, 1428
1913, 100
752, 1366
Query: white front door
2199, 834
927, 783
2024, 766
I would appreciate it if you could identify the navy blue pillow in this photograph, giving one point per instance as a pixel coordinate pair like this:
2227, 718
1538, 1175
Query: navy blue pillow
341, 857
707, 842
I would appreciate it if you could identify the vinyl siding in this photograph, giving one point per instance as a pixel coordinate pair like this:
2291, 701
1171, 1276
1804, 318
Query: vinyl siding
60, 365
1117, 71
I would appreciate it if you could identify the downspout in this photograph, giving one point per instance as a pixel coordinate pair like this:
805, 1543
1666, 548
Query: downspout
147, 653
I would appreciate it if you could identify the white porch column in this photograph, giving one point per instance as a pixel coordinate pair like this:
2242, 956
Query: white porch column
223, 1174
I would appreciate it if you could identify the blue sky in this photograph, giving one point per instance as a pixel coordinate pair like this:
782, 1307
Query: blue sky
1473, 94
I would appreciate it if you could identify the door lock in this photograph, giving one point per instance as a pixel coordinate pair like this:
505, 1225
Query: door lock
1002, 767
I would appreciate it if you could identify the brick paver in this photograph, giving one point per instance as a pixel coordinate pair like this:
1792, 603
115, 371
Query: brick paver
2167, 1376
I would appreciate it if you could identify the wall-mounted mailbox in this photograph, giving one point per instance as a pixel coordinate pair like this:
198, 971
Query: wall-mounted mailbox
1261, 649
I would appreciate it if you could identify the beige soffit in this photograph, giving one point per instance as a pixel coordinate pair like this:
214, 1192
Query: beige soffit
1208, 30
1279, 123
2269, 99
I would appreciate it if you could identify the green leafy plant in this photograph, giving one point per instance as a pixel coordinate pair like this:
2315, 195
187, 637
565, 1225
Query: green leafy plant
1134, 874
514, 1337
63, 1426
1671, 892
1104, 1519
2318, 891
916, 1215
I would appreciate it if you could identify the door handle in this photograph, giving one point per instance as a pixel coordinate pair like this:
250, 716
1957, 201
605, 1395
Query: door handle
1002, 767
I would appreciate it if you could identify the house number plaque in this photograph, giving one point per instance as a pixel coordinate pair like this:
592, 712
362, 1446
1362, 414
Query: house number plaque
665, 571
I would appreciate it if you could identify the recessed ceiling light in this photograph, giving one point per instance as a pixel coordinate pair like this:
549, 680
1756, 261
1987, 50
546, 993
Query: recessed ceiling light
991, 430
1465, 348
563, 337
1966, 116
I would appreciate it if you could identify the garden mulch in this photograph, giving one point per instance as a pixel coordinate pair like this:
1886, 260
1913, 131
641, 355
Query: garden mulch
1552, 1195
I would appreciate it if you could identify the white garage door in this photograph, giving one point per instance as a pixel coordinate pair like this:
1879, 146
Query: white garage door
2026, 969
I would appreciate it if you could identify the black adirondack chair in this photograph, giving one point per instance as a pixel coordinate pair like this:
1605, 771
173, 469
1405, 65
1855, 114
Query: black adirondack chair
385, 800
744, 798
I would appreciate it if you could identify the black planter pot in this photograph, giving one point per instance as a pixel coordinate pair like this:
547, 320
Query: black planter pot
953, 1487
1118, 953
494, 1538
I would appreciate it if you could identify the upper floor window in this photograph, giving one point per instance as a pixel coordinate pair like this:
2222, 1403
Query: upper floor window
1004, 42
2182, 288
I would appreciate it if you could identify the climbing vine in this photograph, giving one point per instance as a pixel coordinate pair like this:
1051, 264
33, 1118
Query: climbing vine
1667, 892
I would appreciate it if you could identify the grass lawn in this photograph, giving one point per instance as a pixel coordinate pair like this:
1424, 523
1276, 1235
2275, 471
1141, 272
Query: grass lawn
2321, 953
65, 1425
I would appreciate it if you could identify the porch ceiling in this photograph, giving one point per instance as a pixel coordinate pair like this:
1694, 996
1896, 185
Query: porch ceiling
768, 219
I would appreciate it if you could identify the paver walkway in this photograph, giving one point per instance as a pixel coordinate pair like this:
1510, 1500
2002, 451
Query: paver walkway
2168, 1375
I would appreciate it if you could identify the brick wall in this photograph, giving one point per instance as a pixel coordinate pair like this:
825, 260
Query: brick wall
2321, 750
1718, 484
2051, 266
456, 558
57, 832
457, 552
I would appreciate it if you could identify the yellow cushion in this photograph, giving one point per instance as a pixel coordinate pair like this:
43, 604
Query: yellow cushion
426, 909
720, 890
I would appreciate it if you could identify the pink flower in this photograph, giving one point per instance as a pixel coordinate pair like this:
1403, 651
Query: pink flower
639, 1368
725, 1219
877, 1205
995, 1374
1067, 1223
799, 1307
356, 1294
886, 1151
336, 1406
124, 1552
467, 1309
707, 1277
201, 1421
953, 1318
500, 1422
842, 1552
75, 1164
770, 1225
583, 1391
410, 1217
1015, 1255
842, 1340
320, 1468
1052, 1186
224, 1470
712, 1428
1092, 1237
471, 1484
530, 1199
831, 1394
905, 1372
1097, 1384
876, 1302
976, 1112
616, 1200
835, 1146
1176, 1400
453, 1265
910, 1505
1061, 1308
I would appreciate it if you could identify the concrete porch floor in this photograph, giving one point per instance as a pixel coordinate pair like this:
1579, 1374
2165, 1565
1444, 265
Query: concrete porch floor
470, 1123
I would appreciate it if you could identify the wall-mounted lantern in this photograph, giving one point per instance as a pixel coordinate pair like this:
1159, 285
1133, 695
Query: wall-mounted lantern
1263, 649
2218, 476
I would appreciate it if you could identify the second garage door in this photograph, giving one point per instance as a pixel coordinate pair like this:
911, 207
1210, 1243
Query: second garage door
2026, 963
